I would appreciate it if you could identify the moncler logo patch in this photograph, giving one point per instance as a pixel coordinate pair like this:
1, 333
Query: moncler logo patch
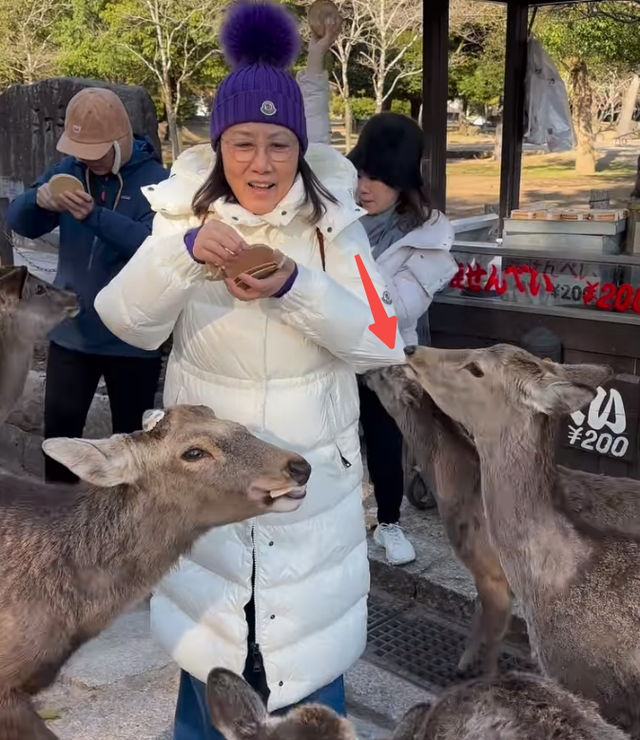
386, 298
268, 108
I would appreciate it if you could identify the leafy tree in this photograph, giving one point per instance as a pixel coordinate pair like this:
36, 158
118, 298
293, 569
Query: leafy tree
27, 47
586, 46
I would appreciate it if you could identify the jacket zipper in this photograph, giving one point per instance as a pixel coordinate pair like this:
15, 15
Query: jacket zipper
345, 462
255, 646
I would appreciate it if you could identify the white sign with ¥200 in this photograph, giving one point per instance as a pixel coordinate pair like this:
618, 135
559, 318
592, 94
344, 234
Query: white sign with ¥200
603, 428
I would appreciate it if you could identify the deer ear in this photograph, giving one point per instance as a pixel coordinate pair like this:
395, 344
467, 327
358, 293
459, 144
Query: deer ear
565, 388
11, 283
151, 418
412, 724
237, 711
101, 462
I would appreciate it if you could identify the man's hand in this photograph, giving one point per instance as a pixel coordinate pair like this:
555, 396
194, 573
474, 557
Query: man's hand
265, 287
47, 200
79, 204
218, 244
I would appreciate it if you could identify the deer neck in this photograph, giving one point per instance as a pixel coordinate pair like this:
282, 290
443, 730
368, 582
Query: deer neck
118, 547
538, 546
15, 361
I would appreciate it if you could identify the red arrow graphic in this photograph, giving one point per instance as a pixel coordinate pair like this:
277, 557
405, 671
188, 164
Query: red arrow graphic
384, 327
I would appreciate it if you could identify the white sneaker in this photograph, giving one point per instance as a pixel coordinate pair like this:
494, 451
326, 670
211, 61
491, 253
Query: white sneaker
398, 549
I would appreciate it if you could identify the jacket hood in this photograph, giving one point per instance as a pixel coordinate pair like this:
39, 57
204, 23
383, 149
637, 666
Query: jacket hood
174, 196
143, 151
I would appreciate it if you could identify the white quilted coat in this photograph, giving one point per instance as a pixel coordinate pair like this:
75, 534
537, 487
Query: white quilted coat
417, 266
286, 369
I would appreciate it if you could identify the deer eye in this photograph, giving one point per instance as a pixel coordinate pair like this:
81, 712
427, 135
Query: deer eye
39, 289
474, 369
194, 453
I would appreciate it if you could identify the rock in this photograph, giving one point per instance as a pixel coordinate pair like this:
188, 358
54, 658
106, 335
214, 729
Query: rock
28, 414
32, 120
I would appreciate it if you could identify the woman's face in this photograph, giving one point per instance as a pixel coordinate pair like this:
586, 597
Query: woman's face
374, 196
260, 162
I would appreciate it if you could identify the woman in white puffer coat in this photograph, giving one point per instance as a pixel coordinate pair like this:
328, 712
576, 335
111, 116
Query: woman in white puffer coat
411, 244
282, 599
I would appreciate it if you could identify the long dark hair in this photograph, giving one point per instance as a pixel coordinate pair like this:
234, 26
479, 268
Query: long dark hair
216, 186
414, 206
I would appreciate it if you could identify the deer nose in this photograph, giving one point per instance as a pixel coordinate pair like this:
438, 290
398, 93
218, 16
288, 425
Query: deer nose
299, 469
410, 350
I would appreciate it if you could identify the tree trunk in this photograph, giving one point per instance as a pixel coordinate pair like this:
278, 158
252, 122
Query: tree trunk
348, 126
582, 96
174, 132
379, 100
463, 124
625, 122
497, 143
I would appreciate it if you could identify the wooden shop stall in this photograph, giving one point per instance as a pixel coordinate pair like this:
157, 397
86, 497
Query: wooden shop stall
564, 285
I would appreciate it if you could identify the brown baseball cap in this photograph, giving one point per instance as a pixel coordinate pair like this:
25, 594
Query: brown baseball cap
95, 119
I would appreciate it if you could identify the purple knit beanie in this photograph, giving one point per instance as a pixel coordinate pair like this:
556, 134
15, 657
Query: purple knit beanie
260, 41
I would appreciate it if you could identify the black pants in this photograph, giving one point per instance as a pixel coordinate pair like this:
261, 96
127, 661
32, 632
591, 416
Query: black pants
72, 380
383, 449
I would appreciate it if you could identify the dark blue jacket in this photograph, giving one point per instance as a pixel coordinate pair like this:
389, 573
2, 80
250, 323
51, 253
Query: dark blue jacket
93, 251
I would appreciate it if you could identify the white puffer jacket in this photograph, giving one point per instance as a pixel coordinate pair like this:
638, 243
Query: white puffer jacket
415, 267
286, 369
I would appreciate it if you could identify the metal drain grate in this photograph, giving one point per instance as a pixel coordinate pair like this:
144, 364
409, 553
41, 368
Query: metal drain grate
382, 611
424, 648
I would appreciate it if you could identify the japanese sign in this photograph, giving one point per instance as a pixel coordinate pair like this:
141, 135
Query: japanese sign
547, 282
608, 425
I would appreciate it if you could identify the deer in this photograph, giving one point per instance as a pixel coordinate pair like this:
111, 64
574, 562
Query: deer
29, 309
443, 449
514, 706
447, 453
579, 585
75, 556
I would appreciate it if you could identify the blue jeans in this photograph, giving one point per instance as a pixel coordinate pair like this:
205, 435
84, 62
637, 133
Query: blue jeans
193, 722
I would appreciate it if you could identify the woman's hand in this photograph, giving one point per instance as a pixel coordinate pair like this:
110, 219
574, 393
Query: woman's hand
218, 244
265, 287
320, 45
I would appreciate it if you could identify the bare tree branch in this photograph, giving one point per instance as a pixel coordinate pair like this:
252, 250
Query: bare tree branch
393, 27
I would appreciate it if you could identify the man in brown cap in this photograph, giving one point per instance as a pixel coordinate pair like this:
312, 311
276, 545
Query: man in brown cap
101, 224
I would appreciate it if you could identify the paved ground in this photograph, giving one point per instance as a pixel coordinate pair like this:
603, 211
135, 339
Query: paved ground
121, 686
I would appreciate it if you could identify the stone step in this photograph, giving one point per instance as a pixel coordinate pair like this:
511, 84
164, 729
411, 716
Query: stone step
435, 578
122, 686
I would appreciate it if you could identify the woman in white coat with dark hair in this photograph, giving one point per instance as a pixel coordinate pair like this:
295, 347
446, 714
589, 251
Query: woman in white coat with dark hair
281, 599
410, 242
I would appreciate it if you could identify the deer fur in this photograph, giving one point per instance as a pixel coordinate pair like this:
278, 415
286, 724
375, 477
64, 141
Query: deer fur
74, 557
515, 706
29, 309
443, 450
447, 453
579, 585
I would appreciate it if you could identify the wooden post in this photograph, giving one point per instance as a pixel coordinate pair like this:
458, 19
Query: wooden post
6, 244
600, 200
514, 105
435, 86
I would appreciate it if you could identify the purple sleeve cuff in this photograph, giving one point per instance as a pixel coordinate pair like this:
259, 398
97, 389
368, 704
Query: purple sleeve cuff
288, 284
190, 242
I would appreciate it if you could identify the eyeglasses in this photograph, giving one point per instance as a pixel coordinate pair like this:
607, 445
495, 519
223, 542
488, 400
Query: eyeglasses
245, 151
